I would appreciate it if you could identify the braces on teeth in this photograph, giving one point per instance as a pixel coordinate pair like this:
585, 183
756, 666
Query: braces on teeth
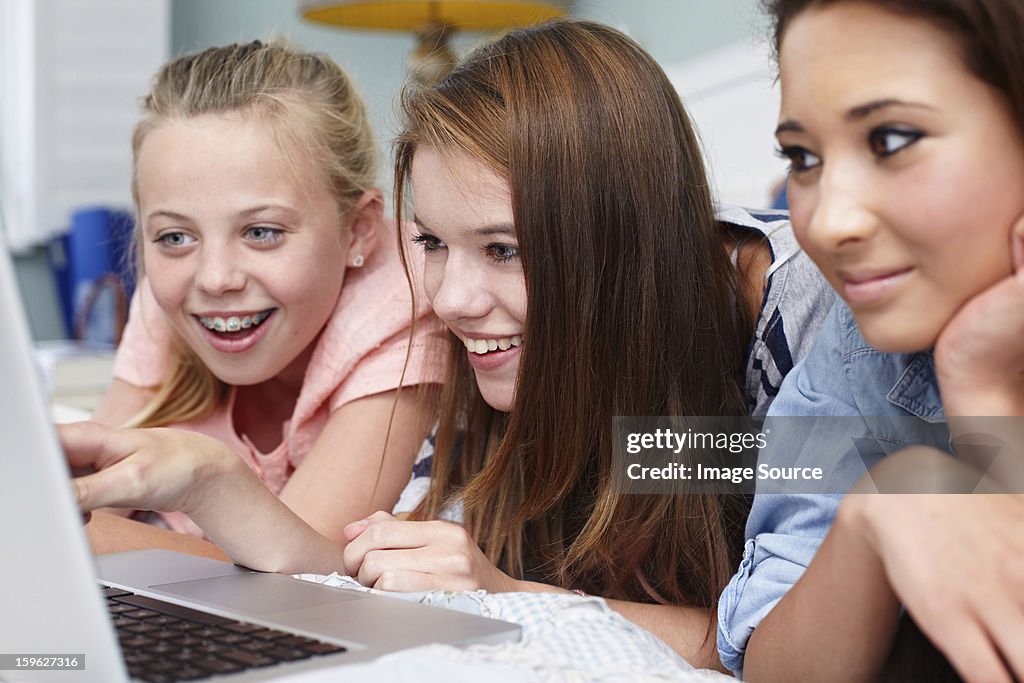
482, 346
234, 323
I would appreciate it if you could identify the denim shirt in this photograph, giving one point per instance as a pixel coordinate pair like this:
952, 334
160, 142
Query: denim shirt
842, 376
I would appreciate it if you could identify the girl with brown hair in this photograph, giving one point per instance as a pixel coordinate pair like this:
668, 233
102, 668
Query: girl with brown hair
571, 246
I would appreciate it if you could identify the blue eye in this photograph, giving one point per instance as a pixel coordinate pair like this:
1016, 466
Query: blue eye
800, 159
174, 239
888, 140
264, 234
427, 242
501, 253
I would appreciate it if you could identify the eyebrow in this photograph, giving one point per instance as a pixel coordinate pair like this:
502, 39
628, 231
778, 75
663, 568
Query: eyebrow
856, 113
167, 214
247, 213
484, 231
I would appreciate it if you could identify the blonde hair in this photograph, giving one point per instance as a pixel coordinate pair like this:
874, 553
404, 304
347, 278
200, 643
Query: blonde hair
315, 114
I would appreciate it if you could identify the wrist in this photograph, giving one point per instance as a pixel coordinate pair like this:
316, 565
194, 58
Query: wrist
855, 520
215, 468
978, 393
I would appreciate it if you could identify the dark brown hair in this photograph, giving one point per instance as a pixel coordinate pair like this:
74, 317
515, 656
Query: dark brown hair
633, 309
989, 33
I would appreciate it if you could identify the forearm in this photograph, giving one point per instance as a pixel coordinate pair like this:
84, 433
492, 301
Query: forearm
837, 623
113, 533
356, 467
256, 529
687, 630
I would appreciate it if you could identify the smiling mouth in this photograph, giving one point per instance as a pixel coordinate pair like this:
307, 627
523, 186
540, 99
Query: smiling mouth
874, 288
484, 346
234, 324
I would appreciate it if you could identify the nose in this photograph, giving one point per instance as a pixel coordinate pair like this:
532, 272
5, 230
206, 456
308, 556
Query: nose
457, 289
220, 270
844, 213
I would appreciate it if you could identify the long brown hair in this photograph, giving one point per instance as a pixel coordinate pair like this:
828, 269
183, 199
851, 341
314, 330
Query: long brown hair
990, 34
633, 309
315, 113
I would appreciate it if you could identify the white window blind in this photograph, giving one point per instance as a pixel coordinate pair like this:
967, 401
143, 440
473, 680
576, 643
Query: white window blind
733, 98
71, 74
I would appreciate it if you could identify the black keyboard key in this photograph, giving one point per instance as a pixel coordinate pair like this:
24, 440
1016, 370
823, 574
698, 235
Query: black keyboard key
154, 677
257, 645
173, 610
294, 641
164, 649
161, 667
121, 622
137, 659
206, 632
166, 642
324, 648
217, 666
192, 674
287, 654
270, 635
188, 641
249, 659
118, 608
243, 628
134, 642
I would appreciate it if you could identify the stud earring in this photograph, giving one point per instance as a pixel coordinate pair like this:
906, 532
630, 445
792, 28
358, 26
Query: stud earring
357, 261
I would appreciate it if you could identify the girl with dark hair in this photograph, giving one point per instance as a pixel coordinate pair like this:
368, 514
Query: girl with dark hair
571, 246
904, 125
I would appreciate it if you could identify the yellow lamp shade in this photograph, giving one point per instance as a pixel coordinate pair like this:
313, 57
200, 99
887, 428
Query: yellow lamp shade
411, 15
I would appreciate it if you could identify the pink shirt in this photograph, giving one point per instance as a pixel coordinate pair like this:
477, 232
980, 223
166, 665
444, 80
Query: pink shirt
361, 352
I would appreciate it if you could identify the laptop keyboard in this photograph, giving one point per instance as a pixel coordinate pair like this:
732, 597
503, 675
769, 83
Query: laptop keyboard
163, 642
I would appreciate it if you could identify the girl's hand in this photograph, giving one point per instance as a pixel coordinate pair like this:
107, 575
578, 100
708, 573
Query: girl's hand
393, 555
144, 469
979, 355
954, 562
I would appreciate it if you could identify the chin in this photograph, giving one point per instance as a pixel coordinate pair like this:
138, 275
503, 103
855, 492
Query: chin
898, 338
498, 398
242, 375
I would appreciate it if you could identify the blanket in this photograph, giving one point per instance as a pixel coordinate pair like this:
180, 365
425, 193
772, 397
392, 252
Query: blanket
566, 637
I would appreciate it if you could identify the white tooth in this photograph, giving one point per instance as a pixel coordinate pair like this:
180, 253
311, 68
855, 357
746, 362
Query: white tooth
246, 322
517, 340
492, 345
481, 347
233, 324
218, 324
470, 344
504, 343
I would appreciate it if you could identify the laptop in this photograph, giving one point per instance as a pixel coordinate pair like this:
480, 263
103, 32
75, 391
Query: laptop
59, 605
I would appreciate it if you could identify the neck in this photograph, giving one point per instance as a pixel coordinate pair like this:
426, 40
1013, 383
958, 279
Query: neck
261, 409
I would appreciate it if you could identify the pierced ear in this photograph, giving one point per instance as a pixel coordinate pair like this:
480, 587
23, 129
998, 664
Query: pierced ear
365, 221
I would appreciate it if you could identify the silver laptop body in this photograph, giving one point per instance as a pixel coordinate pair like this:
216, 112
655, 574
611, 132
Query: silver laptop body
51, 609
